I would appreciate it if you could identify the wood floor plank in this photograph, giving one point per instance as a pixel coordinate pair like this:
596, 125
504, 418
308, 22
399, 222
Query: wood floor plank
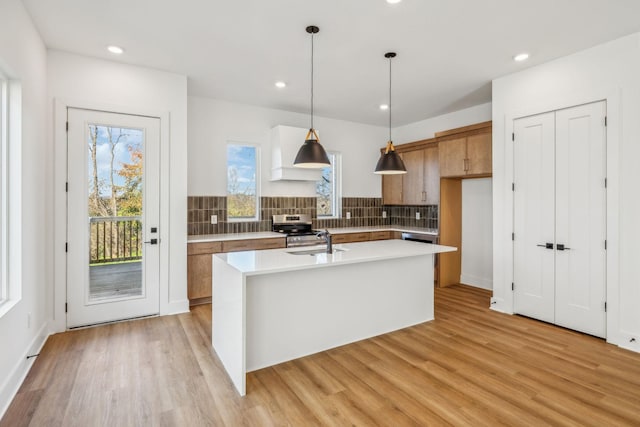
470, 366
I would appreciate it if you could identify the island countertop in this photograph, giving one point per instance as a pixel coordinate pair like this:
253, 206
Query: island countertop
281, 260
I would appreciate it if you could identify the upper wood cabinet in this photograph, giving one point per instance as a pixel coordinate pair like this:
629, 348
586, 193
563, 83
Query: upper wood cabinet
413, 181
465, 151
392, 189
420, 185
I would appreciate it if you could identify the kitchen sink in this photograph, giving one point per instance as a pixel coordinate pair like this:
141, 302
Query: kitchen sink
313, 252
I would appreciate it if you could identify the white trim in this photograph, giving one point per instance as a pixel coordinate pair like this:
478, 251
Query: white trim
58, 323
11, 196
17, 375
476, 281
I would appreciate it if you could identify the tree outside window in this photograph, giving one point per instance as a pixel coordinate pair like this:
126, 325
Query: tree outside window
242, 186
327, 189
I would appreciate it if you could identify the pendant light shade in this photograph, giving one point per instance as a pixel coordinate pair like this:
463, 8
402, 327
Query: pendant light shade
390, 162
312, 154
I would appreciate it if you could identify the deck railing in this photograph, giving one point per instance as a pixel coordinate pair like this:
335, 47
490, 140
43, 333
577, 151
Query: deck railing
115, 239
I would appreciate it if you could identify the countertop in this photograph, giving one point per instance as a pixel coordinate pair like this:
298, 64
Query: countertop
280, 260
268, 234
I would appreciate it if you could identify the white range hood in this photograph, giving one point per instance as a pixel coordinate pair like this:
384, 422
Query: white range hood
285, 143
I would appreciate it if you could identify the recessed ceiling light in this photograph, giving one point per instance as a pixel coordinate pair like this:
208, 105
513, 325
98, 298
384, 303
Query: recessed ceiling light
281, 85
384, 107
115, 49
521, 57
393, 1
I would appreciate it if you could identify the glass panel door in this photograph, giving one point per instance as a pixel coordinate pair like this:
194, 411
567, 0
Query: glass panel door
113, 214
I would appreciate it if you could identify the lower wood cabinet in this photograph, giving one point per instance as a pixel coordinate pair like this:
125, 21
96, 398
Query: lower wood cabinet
199, 272
381, 235
350, 237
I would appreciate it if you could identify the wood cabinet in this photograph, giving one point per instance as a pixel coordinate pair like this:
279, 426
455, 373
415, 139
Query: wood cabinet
466, 155
381, 235
199, 273
253, 244
420, 185
392, 189
350, 237
413, 181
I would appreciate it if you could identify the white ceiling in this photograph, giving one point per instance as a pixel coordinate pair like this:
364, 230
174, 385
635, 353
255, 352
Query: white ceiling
448, 50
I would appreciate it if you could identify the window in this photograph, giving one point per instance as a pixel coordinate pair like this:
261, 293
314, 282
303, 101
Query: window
242, 182
328, 189
10, 186
4, 291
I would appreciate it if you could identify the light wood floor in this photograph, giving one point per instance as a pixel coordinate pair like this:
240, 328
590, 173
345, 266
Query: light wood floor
470, 366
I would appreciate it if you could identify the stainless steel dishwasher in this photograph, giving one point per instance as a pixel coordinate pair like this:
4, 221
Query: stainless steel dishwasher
425, 238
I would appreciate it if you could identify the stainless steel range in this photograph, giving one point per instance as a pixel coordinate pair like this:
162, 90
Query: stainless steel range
298, 229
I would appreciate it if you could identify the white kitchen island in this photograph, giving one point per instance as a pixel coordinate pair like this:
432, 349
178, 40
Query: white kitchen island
272, 306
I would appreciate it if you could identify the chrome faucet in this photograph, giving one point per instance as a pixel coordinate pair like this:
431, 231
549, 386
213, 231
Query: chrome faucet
327, 238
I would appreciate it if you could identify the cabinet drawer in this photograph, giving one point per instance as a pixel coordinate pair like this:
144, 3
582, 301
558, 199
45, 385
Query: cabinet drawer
381, 235
204, 248
350, 237
250, 245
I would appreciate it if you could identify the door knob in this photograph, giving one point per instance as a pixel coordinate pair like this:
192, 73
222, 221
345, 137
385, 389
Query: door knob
546, 245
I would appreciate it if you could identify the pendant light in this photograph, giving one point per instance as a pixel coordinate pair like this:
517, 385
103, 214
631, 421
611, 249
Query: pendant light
390, 162
312, 154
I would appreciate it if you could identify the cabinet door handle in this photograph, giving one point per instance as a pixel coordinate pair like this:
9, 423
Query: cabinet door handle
464, 165
546, 245
562, 247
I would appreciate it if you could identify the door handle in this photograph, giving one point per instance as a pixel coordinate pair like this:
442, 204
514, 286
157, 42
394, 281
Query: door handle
152, 242
546, 245
562, 247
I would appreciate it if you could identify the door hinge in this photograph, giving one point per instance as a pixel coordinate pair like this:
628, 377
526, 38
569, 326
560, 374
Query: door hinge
67, 127
65, 307
512, 286
605, 306
66, 247
513, 236
605, 183
605, 244
66, 187
605, 120
513, 186
513, 136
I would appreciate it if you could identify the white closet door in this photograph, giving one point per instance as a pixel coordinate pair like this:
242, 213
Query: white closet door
580, 218
534, 216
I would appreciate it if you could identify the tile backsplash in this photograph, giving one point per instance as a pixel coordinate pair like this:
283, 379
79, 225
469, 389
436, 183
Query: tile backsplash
365, 212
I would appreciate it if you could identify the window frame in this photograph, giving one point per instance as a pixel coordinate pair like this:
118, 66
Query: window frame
4, 122
10, 193
336, 170
256, 217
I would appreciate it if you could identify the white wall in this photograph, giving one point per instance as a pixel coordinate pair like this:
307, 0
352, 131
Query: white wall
477, 234
23, 57
212, 123
609, 71
80, 81
427, 128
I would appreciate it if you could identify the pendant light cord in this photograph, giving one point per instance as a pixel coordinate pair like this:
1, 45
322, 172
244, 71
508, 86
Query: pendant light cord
312, 80
389, 99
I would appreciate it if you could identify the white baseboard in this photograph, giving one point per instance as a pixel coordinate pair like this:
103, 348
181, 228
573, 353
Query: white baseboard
175, 307
11, 385
476, 281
